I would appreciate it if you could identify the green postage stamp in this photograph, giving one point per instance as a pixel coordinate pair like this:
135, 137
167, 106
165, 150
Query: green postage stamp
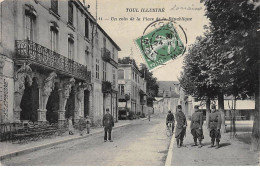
161, 44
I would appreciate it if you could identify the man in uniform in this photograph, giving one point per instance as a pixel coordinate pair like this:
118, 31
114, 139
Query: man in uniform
214, 126
108, 124
196, 126
170, 119
180, 127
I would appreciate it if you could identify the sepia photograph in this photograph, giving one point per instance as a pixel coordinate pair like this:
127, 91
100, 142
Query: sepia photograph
129, 83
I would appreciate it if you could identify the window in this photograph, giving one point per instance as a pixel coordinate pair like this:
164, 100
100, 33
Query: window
114, 77
70, 48
86, 28
87, 55
97, 68
96, 38
133, 76
104, 42
121, 89
133, 91
113, 53
54, 6
54, 38
70, 13
104, 71
121, 74
29, 27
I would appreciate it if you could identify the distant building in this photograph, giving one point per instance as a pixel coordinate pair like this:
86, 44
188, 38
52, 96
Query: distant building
168, 97
132, 89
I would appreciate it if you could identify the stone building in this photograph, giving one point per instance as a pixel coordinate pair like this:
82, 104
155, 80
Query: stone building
132, 85
51, 61
168, 97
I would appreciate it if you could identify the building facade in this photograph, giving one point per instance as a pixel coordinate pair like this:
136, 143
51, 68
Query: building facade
132, 89
168, 97
105, 74
49, 50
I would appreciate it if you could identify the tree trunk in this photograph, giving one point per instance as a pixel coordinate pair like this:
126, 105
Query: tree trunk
221, 110
255, 131
207, 110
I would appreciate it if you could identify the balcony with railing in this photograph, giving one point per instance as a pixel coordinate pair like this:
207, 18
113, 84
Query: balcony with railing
106, 56
27, 50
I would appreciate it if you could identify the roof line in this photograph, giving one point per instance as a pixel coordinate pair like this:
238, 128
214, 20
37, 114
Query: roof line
94, 20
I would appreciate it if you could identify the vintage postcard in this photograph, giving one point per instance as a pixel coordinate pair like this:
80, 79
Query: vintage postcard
129, 82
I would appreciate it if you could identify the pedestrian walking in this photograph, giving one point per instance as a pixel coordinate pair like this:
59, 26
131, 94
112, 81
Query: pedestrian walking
170, 119
82, 125
214, 126
71, 128
88, 122
149, 115
180, 127
196, 126
108, 124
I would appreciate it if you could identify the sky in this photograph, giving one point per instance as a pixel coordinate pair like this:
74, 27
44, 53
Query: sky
125, 32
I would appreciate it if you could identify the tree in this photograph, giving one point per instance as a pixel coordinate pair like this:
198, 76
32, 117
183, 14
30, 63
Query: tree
126, 60
235, 28
195, 78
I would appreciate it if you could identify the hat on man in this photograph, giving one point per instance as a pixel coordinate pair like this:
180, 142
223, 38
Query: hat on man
179, 107
169, 111
213, 106
196, 107
107, 109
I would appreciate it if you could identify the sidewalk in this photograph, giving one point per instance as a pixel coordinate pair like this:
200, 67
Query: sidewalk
9, 149
231, 153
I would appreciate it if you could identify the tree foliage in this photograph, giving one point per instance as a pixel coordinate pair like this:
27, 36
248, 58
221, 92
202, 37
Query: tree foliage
226, 59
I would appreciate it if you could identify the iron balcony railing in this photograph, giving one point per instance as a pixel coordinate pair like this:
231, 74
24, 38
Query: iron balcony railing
106, 56
29, 50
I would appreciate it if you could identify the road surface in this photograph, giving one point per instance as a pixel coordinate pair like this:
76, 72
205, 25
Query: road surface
141, 143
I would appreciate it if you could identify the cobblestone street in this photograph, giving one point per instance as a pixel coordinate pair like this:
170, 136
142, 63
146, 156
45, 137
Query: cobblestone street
141, 143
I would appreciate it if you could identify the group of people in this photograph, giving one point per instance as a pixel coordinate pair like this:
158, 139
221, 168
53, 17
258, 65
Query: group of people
214, 125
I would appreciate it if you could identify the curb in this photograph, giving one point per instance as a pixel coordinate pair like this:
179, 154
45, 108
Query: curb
32, 149
168, 161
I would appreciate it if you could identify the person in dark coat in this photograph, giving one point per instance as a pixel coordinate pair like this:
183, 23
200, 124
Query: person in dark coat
214, 126
170, 119
180, 127
196, 126
108, 124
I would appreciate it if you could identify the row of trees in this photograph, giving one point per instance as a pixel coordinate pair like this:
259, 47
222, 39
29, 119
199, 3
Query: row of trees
225, 60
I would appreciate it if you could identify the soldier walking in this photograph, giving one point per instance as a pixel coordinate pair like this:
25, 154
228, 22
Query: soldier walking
180, 127
214, 126
108, 124
196, 126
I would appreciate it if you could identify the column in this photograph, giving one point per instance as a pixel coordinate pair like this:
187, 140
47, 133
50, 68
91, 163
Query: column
64, 94
79, 93
91, 108
2, 62
44, 93
19, 81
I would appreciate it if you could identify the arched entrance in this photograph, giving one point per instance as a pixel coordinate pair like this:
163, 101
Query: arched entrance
30, 101
53, 105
